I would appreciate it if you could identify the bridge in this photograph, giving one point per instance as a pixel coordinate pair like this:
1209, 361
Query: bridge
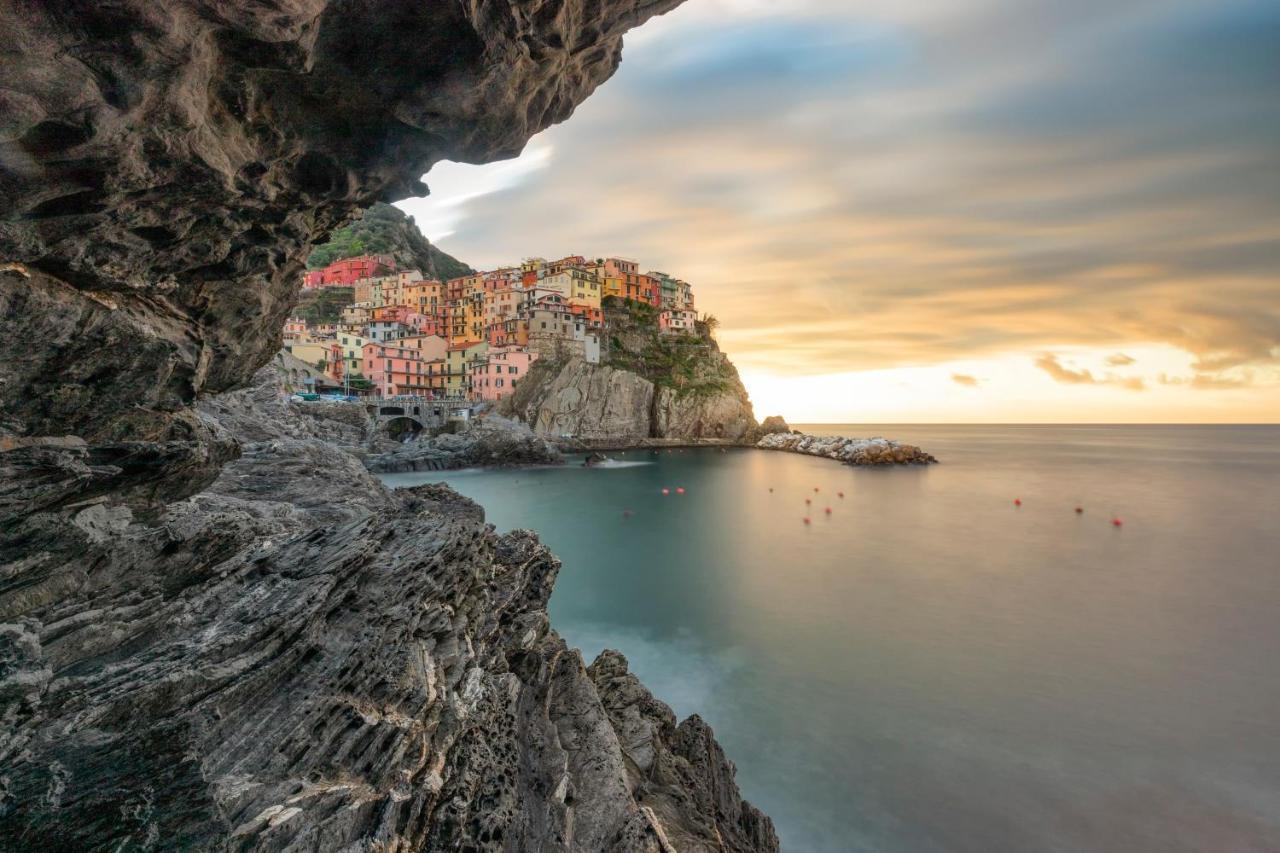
422, 412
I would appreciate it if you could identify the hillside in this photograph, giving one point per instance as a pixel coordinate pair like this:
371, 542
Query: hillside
647, 386
387, 230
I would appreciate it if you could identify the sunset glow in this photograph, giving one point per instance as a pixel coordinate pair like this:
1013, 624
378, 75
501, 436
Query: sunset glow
876, 198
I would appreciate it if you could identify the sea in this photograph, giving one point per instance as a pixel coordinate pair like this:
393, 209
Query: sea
1059, 638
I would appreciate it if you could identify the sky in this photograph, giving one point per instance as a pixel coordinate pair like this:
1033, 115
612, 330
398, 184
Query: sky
932, 210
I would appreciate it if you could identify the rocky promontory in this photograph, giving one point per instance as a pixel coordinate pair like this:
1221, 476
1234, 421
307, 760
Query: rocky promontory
649, 387
299, 658
852, 451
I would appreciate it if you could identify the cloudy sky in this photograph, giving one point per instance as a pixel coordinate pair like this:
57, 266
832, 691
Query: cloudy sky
933, 210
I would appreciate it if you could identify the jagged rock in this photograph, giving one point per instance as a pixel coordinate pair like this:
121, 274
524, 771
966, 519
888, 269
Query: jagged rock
714, 405
719, 414
853, 451
270, 652
773, 424
298, 658
678, 773
588, 403
491, 441
265, 411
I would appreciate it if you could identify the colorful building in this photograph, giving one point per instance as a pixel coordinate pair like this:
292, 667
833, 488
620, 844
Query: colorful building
348, 271
497, 376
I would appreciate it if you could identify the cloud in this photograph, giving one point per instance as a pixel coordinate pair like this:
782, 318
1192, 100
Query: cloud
913, 183
1049, 364
964, 379
1119, 360
1209, 381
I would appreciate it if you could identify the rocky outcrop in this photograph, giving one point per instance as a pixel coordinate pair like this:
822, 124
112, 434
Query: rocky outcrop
723, 414
773, 424
264, 411
852, 451
599, 405
677, 773
491, 441
298, 658
587, 403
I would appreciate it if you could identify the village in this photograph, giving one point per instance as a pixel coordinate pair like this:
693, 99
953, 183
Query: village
471, 338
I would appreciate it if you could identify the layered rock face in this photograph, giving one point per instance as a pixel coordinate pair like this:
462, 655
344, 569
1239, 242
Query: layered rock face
588, 402
297, 658
217, 631
720, 409
605, 406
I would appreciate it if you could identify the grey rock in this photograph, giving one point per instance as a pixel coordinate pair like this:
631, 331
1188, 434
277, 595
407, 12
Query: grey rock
491, 441
591, 403
298, 658
851, 451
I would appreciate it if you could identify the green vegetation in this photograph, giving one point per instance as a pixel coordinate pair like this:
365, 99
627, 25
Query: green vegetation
387, 230
688, 363
324, 305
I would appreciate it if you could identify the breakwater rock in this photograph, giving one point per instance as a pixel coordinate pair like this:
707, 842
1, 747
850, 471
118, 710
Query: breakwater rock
492, 441
852, 451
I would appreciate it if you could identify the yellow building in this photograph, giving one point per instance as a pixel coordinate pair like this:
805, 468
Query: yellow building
458, 366
352, 353
425, 297
314, 354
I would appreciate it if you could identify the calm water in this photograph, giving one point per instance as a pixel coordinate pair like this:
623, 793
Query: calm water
931, 668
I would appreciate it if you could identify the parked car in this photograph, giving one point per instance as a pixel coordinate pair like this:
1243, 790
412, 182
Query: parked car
305, 397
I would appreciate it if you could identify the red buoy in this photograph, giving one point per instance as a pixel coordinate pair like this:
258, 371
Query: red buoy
815, 488
1079, 510
1017, 501
806, 520
807, 501
1115, 522
771, 490
839, 494
828, 510
680, 490
666, 491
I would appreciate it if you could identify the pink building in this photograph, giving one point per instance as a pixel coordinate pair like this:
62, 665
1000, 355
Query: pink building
497, 376
395, 369
677, 321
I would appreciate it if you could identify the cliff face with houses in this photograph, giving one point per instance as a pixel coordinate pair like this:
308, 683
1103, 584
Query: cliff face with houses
649, 385
201, 647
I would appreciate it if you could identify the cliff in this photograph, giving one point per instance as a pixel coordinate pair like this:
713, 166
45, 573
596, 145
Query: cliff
387, 230
298, 658
205, 644
670, 387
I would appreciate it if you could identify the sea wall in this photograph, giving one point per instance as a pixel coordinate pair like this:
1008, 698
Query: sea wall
852, 451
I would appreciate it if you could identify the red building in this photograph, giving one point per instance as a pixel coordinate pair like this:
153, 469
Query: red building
348, 271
